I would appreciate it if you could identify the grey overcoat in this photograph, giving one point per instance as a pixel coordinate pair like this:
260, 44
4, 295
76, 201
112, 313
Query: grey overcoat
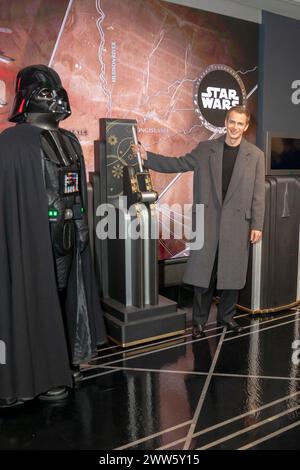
226, 225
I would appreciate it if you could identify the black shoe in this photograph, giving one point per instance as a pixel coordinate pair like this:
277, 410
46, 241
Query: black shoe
198, 332
10, 403
233, 326
55, 394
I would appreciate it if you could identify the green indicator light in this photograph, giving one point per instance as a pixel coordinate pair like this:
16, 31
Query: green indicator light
82, 210
53, 213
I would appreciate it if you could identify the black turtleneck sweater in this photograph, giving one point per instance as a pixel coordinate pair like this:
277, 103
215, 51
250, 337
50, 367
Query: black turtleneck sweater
229, 158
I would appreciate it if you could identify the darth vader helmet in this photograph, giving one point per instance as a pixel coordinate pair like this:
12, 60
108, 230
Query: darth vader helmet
39, 91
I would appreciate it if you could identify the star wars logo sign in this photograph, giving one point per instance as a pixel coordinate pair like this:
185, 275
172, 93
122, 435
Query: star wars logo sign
217, 89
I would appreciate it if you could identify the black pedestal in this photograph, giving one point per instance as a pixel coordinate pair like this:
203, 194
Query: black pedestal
128, 326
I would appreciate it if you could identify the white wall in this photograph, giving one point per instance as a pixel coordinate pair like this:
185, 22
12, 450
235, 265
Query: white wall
225, 7
246, 9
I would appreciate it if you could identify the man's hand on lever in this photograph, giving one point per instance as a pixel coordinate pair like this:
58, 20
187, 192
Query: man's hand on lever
139, 148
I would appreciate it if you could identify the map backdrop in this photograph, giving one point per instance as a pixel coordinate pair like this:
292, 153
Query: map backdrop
135, 59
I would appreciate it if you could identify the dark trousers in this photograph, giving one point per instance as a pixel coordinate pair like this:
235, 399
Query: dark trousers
203, 299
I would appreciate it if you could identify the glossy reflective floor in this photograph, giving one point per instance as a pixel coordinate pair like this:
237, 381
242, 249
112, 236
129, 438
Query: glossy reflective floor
219, 392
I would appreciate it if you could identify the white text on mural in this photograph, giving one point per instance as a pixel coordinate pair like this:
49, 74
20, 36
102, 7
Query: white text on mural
219, 98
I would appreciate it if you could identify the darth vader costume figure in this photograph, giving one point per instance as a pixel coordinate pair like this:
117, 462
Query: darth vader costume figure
50, 318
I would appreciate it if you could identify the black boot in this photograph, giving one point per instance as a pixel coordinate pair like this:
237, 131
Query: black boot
10, 402
55, 394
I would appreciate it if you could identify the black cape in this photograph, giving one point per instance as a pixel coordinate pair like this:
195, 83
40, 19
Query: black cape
31, 323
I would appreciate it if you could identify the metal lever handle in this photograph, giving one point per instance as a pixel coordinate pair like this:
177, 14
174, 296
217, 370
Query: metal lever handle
140, 161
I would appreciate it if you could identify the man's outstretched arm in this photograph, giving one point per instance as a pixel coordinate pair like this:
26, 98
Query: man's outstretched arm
163, 164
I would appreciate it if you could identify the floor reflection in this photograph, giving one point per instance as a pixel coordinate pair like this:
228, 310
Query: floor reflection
245, 387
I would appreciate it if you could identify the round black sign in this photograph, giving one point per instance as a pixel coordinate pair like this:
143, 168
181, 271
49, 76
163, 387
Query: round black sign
217, 89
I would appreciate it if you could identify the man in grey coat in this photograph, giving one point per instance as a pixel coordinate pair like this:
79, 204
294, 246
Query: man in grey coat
229, 180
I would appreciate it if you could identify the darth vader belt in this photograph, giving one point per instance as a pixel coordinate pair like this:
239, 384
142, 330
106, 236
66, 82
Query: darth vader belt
75, 213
